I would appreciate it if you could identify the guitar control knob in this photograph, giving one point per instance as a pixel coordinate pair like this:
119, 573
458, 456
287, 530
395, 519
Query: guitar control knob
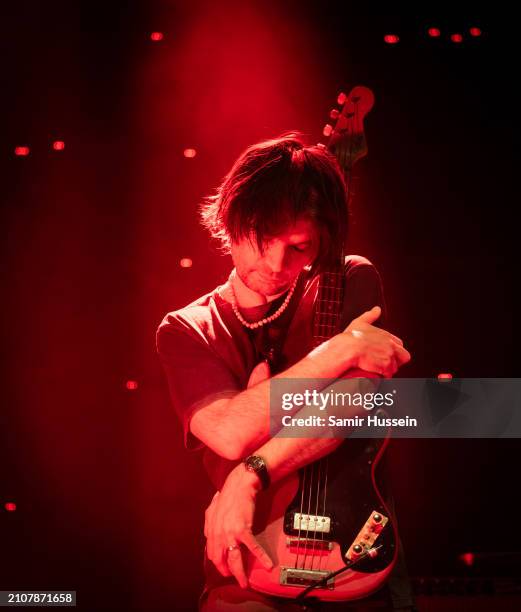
341, 98
334, 114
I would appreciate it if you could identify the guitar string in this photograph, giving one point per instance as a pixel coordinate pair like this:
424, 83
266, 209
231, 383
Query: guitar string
301, 512
329, 319
348, 174
327, 315
348, 180
312, 469
308, 468
321, 332
319, 469
318, 332
332, 287
329, 294
334, 291
329, 322
324, 512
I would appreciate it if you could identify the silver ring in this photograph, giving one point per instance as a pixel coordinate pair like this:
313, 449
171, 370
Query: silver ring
232, 547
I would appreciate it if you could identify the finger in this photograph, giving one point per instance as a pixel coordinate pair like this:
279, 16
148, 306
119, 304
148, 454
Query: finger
394, 366
259, 373
402, 355
214, 544
236, 567
389, 367
220, 558
223, 563
208, 515
223, 568
370, 315
210, 550
209, 557
396, 339
249, 540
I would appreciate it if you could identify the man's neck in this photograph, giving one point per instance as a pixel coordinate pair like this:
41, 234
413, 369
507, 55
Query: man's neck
245, 297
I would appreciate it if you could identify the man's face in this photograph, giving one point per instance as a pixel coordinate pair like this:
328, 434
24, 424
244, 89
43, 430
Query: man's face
272, 272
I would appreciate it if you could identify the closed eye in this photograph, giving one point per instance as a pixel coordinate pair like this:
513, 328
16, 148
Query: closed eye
300, 249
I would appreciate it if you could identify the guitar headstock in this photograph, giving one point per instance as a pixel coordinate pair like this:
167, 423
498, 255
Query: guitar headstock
345, 135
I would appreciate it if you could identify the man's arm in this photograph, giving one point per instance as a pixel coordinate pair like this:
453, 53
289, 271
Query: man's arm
229, 518
234, 427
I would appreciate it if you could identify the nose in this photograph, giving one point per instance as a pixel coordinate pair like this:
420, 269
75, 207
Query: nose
275, 256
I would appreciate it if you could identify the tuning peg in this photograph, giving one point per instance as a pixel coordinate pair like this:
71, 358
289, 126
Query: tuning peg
341, 98
328, 129
334, 113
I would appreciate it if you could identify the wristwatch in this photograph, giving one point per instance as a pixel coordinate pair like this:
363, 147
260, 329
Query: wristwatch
256, 464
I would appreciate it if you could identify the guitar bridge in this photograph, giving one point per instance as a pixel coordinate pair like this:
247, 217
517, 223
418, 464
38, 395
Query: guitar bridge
292, 576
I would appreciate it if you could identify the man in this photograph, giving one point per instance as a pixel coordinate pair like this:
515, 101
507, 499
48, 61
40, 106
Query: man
282, 214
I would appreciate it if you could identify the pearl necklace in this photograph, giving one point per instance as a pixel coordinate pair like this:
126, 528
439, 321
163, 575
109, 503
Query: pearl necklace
266, 320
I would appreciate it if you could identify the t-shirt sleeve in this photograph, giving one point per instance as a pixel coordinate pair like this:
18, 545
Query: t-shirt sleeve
363, 290
196, 375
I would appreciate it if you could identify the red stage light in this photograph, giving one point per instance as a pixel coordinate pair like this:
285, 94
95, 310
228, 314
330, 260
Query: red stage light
10, 507
189, 152
58, 145
434, 32
391, 39
468, 559
156, 36
445, 376
22, 151
475, 32
456, 38
131, 385
186, 262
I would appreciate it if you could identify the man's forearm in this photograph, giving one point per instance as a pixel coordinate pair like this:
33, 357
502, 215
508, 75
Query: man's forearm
248, 412
284, 454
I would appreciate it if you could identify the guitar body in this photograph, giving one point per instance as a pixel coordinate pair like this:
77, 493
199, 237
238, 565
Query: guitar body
351, 500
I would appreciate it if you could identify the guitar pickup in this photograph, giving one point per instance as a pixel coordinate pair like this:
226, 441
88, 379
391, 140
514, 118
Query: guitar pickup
311, 522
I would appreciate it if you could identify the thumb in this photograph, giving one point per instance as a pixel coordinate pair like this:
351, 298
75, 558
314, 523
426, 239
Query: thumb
259, 373
370, 315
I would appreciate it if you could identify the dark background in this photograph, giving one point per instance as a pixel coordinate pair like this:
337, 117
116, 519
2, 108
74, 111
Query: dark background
108, 501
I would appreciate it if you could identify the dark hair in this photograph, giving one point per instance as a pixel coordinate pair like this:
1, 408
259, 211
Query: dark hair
273, 183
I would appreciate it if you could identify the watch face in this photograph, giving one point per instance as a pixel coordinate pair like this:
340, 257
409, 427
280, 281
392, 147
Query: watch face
256, 464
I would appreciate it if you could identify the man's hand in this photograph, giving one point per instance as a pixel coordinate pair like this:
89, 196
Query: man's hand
228, 523
376, 350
